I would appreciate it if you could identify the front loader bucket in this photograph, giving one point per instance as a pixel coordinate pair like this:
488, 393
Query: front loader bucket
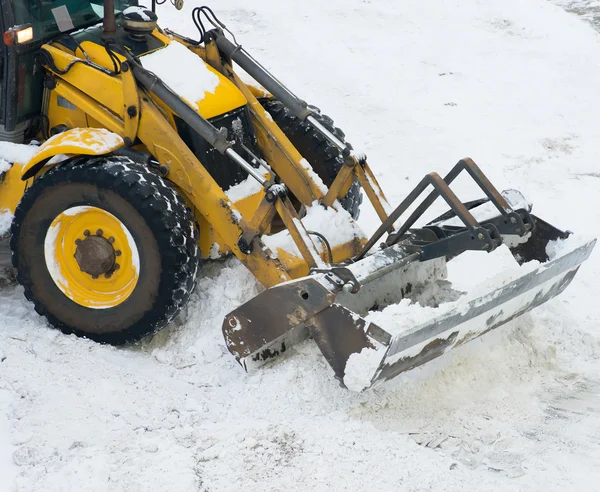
340, 308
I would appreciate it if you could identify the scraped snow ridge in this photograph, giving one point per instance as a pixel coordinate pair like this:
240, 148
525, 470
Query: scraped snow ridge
514, 410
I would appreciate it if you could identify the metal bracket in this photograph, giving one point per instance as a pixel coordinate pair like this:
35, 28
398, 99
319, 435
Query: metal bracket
341, 277
442, 189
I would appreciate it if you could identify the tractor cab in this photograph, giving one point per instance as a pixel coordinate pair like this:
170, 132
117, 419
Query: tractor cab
27, 24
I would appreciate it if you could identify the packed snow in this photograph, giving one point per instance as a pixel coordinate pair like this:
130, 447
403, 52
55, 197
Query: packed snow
140, 11
242, 190
334, 223
6, 218
182, 71
511, 83
361, 368
12, 152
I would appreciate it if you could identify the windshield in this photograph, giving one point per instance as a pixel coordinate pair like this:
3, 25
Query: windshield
52, 17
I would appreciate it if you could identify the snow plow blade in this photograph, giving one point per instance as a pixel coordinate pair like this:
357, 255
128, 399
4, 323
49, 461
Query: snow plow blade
334, 306
419, 344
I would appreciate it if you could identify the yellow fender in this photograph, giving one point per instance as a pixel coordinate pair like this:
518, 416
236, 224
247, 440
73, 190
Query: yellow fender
78, 141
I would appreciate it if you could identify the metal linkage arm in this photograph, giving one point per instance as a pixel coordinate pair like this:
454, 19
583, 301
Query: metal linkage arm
297, 106
203, 127
511, 222
441, 189
480, 179
239, 55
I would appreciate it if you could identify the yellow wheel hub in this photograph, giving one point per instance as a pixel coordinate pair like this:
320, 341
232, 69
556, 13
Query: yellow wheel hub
92, 257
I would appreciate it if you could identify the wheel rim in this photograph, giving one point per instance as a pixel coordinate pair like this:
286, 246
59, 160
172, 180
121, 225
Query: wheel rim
92, 257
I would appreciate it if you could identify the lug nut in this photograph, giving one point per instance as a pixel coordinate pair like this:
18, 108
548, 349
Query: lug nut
111, 239
117, 266
86, 233
99, 232
77, 241
107, 275
94, 277
118, 252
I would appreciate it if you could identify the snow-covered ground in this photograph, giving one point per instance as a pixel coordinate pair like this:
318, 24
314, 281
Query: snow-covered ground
416, 85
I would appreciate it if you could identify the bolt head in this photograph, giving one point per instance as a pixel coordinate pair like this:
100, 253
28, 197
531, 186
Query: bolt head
118, 252
513, 220
348, 287
78, 241
107, 275
480, 236
86, 233
99, 232
111, 239
116, 266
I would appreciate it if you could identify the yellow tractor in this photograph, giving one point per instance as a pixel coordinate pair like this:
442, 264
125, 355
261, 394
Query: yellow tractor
155, 155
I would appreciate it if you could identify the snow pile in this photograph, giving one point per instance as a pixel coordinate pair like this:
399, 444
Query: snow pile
13, 152
406, 315
361, 368
183, 71
560, 247
244, 189
332, 222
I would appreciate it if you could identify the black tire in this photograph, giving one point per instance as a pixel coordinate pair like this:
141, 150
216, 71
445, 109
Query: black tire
156, 217
316, 149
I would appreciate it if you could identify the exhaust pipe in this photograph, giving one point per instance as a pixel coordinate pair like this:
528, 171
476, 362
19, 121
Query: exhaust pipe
110, 20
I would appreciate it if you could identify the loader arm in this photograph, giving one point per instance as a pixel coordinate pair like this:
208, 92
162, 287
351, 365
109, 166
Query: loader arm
82, 84
128, 109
